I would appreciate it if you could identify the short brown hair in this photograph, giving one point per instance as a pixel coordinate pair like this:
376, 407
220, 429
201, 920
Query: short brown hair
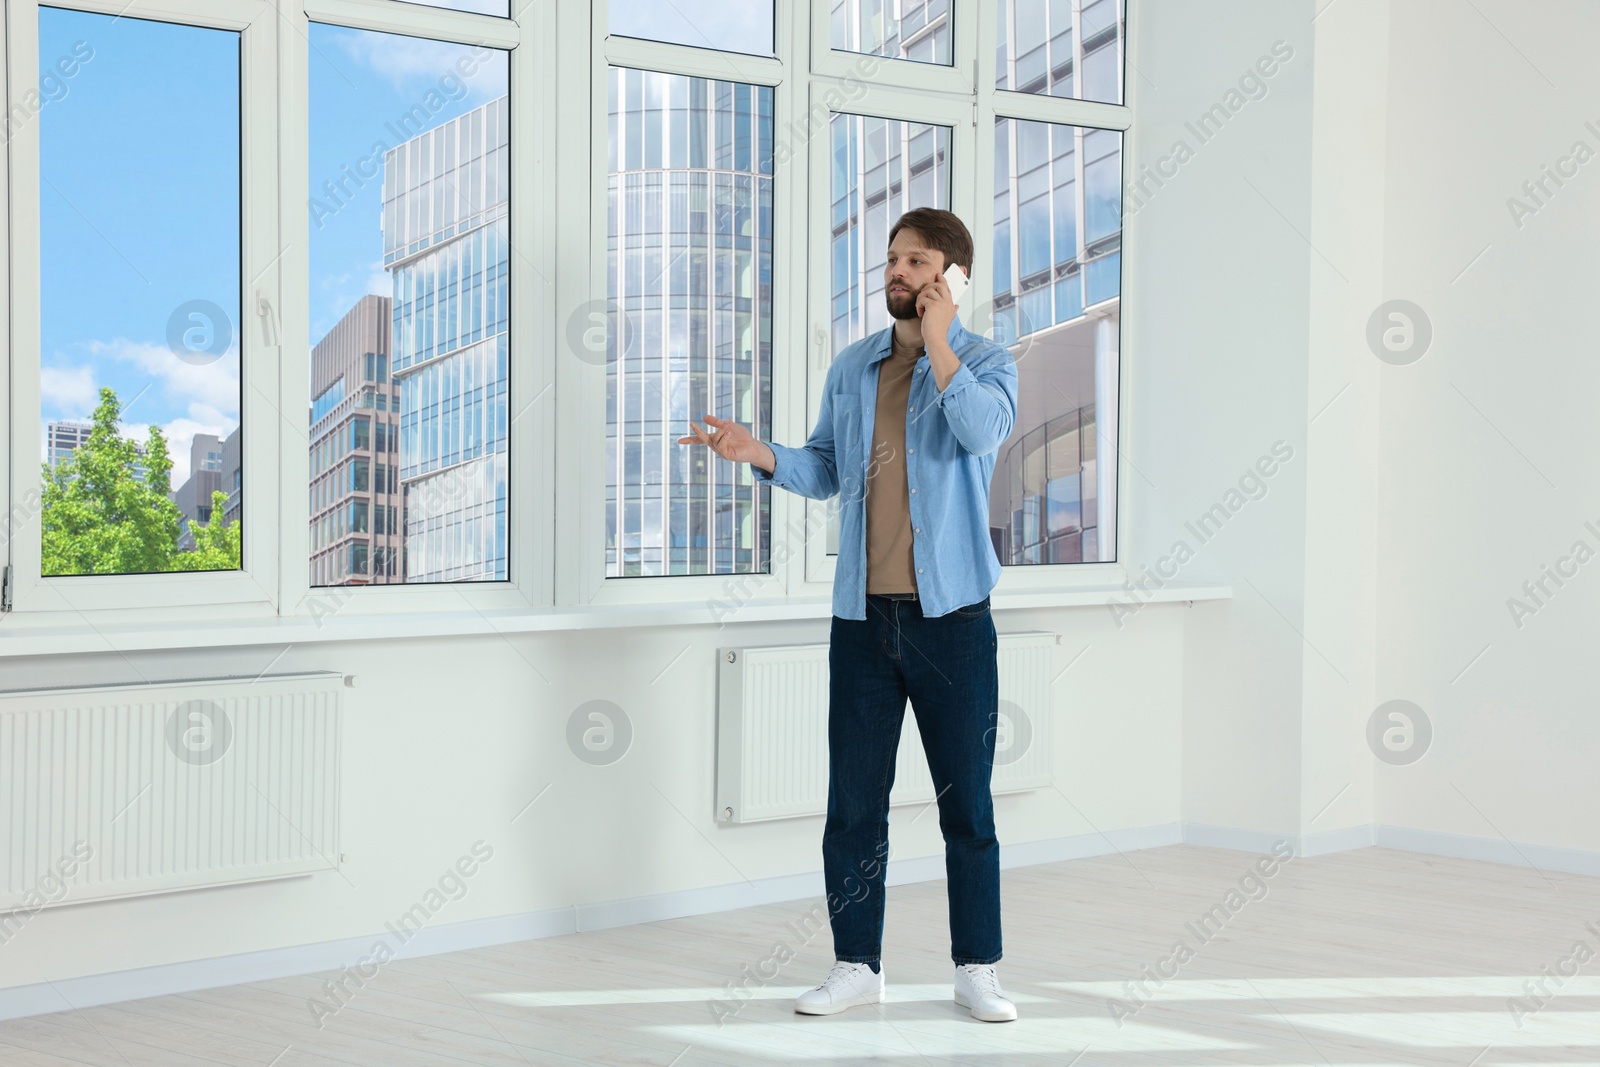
943, 230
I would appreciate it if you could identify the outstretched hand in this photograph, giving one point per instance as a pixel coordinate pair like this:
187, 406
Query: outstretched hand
732, 442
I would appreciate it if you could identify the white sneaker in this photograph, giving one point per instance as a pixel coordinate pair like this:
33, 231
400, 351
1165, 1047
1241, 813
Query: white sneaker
847, 985
978, 988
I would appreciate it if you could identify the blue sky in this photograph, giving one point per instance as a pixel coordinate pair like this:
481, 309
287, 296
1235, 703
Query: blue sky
362, 82
139, 215
742, 26
140, 201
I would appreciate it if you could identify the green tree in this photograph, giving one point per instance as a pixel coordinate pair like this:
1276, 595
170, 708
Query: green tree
216, 543
100, 518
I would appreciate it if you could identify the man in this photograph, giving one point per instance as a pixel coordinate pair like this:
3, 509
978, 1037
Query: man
930, 403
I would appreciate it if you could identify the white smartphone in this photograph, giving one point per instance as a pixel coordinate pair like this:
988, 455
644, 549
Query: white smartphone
957, 280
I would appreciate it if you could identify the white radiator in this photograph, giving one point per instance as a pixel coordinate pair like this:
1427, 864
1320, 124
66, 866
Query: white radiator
122, 790
772, 730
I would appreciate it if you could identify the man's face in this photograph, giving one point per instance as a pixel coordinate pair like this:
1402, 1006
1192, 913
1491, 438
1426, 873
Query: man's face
912, 265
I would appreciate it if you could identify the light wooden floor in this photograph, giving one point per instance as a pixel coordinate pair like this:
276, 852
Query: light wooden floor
1372, 957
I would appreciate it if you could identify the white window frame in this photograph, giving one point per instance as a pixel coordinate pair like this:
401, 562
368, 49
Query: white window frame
531, 397
556, 555
583, 384
1043, 579
956, 77
920, 93
252, 589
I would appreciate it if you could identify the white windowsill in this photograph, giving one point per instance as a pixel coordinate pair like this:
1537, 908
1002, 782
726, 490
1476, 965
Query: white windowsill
18, 639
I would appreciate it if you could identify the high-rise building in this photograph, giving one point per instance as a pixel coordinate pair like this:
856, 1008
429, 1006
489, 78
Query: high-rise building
233, 476
356, 512
193, 497
902, 29
213, 464
689, 267
446, 198
1057, 282
62, 437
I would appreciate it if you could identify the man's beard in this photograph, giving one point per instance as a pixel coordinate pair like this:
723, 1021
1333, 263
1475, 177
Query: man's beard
902, 306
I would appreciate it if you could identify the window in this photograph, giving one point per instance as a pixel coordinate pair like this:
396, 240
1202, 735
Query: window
1068, 48
881, 169
483, 7
901, 29
689, 263
1057, 284
139, 289
745, 26
430, 332
718, 178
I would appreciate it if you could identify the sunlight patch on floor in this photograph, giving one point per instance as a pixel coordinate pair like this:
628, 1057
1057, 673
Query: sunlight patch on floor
577, 998
1179, 989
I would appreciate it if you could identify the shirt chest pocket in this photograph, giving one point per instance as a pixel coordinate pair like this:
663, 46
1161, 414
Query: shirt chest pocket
847, 428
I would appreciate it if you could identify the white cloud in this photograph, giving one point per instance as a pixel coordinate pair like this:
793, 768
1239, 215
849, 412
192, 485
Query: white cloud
380, 282
341, 292
416, 65
71, 390
176, 382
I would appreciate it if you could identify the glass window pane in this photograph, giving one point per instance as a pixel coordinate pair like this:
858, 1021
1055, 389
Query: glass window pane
482, 7
1057, 282
409, 319
139, 278
917, 30
689, 259
882, 168
745, 26
1042, 47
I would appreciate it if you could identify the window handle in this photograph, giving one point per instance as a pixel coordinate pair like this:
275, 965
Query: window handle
269, 319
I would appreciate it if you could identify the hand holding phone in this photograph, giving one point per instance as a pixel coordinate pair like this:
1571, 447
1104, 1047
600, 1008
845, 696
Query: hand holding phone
957, 281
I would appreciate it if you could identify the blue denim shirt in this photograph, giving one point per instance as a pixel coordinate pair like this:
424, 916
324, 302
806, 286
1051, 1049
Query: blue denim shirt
951, 441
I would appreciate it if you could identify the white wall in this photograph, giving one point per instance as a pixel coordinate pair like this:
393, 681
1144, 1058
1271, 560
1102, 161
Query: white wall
1488, 442
1217, 332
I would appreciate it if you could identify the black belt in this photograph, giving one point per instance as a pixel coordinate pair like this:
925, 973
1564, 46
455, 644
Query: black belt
894, 596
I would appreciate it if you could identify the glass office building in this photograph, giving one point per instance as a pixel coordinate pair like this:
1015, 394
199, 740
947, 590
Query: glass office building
446, 196
1066, 48
901, 29
1057, 283
689, 270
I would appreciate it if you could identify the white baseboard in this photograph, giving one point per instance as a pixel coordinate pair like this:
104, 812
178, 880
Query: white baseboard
1403, 838
1488, 849
332, 956
1244, 840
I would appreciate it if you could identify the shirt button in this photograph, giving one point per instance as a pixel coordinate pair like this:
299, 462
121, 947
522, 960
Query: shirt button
913, 490
912, 409
919, 529
911, 451
919, 570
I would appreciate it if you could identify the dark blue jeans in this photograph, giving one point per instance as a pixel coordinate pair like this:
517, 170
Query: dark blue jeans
946, 666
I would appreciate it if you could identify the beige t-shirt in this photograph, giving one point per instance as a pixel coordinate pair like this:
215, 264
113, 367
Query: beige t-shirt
890, 568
